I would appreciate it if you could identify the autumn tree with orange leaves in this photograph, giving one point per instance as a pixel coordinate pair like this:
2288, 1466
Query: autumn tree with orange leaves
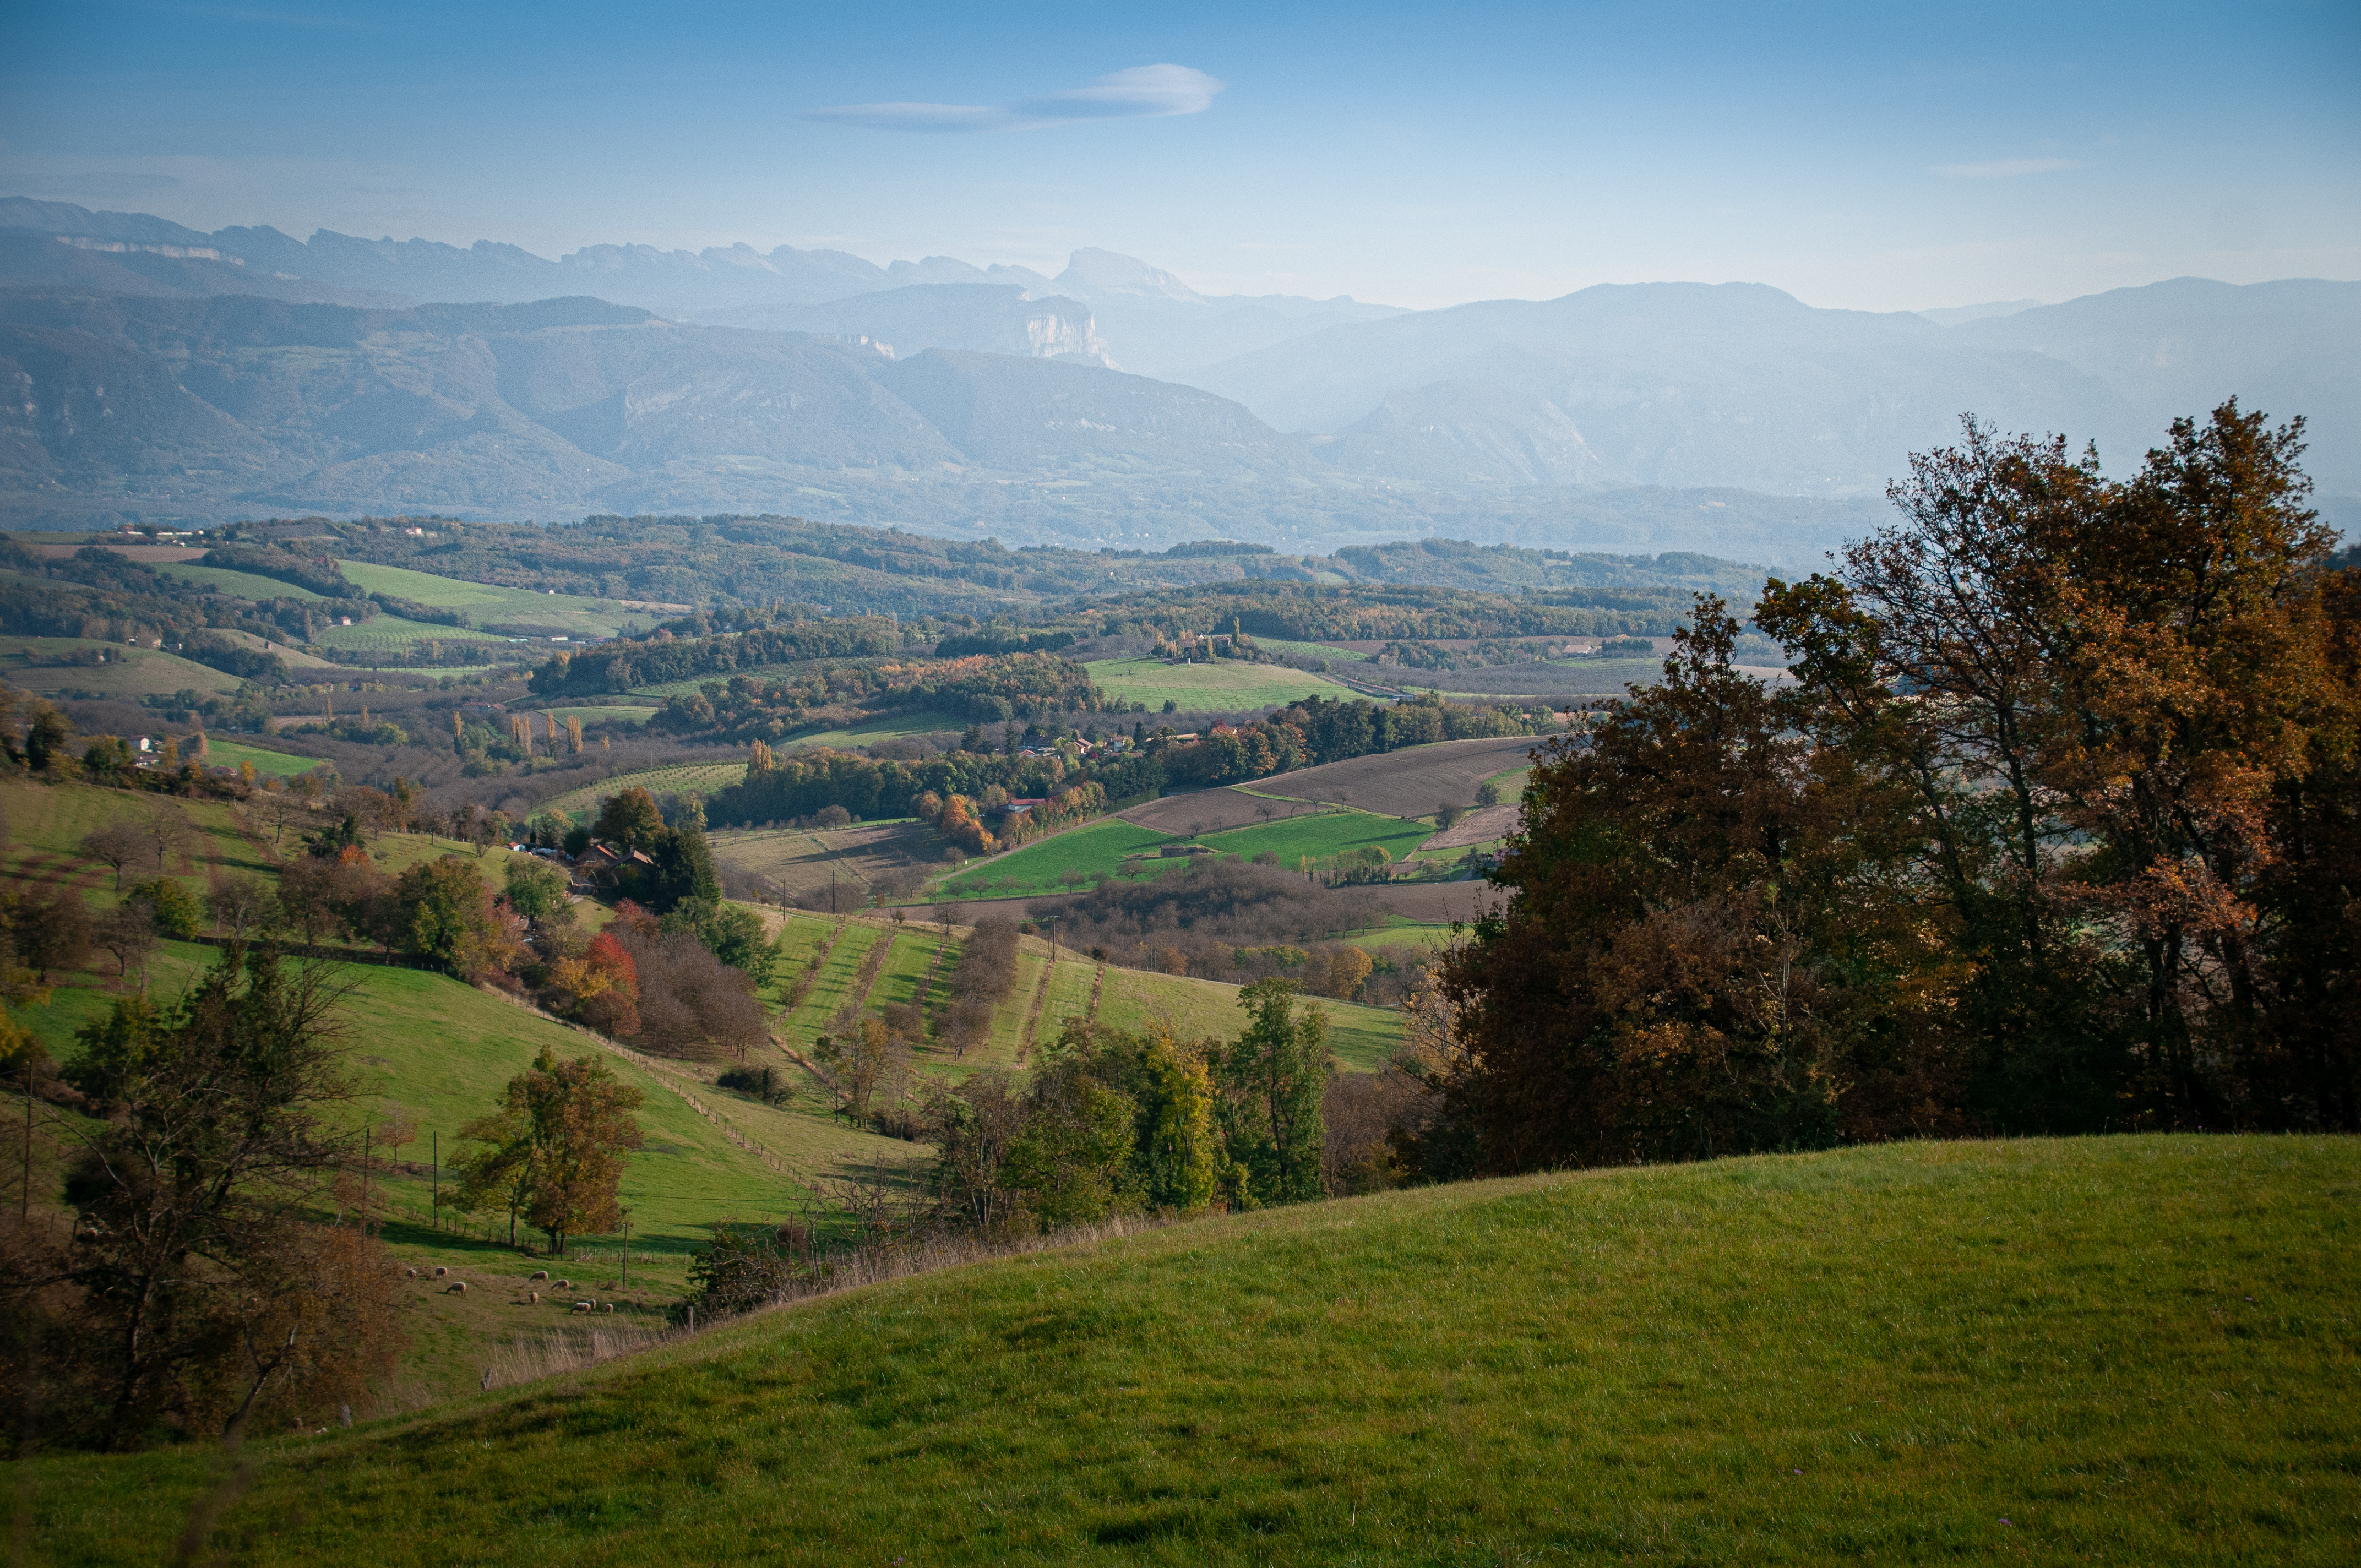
2054, 832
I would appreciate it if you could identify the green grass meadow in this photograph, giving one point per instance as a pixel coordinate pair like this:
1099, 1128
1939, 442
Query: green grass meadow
1223, 685
397, 634
1089, 849
490, 602
885, 727
1101, 848
221, 754
602, 713
239, 585
127, 673
1312, 649
2135, 1349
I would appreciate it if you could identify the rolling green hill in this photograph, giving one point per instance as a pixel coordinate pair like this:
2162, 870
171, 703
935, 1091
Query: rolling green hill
1114, 847
491, 603
397, 634
2129, 1350
221, 754
1221, 685
24, 663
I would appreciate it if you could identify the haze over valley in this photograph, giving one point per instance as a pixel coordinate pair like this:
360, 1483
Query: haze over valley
1109, 403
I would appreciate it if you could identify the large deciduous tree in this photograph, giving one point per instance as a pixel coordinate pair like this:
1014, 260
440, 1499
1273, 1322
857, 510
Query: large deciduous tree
204, 1294
1712, 938
1270, 1080
553, 1152
2054, 831
2126, 716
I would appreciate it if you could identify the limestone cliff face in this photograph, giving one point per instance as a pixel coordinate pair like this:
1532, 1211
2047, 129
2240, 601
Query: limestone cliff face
1058, 328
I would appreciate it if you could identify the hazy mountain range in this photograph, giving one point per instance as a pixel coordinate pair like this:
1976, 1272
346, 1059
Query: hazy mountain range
159, 371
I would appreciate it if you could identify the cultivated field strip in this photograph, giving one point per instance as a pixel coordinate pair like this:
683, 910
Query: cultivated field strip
1003, 1046
905, 967
834, 980
864, 979
926, 988
1033, 1014
1406, 783
1069, 996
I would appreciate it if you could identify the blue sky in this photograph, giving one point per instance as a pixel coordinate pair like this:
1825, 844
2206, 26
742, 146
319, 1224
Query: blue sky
1876, 157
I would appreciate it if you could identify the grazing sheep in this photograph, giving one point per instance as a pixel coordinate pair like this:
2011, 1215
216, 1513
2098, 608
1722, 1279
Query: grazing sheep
541, 1274
413, 1274
456, 1287
440, 1271
565, 1285
609, 1306
581, 1306
533, 1295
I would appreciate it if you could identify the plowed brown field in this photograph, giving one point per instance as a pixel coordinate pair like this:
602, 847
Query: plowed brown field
1405, 784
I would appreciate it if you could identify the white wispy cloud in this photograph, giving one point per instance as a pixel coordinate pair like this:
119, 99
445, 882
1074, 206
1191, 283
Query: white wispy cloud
2007, 168
1141, 93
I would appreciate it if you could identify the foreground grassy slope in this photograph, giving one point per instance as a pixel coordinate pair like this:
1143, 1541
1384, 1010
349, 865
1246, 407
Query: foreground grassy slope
2137, 1350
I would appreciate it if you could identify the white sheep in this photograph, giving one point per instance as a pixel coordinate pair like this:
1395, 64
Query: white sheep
456, 1287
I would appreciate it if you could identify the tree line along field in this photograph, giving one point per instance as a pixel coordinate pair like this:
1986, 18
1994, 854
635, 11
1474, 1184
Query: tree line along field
2123, 1350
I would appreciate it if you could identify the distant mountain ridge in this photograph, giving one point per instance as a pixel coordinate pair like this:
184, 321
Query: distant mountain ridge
1728, 417
125, 408
730, 281
1737, 384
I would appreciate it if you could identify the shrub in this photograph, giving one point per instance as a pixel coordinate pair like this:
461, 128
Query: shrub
179, 915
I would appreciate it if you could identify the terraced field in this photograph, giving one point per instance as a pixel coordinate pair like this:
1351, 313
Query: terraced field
704, 778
